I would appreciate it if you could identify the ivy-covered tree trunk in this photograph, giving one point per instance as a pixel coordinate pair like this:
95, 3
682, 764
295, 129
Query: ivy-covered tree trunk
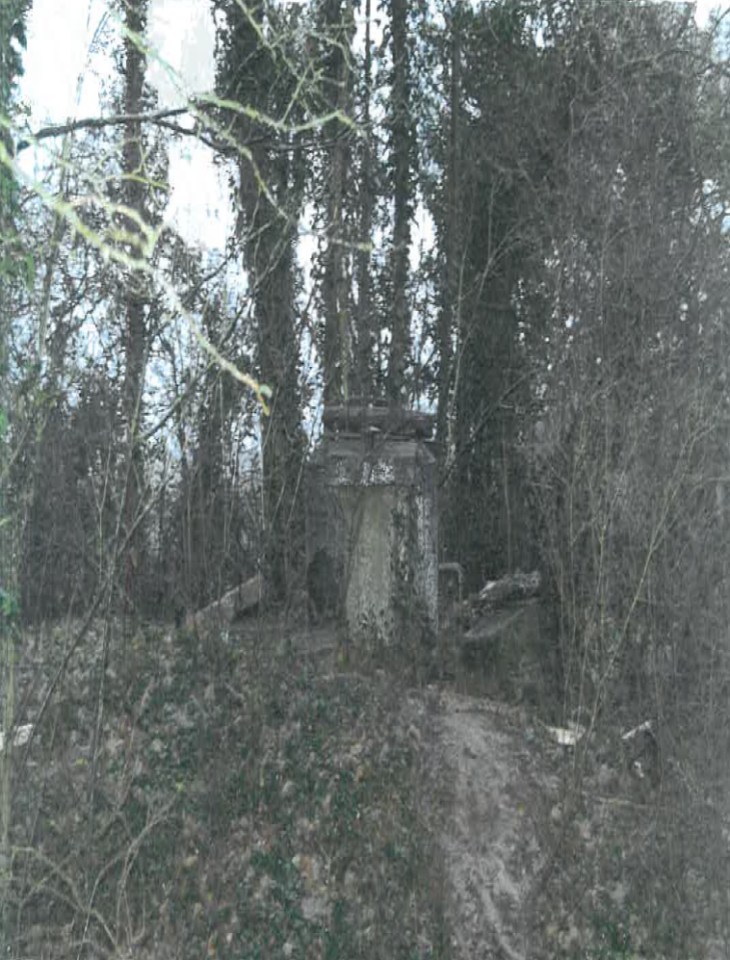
338, 28
480, 203
135, 296
271, 174
450, 313
402, 146
269, 256
12, 41
13, 15
272, 265
364, 320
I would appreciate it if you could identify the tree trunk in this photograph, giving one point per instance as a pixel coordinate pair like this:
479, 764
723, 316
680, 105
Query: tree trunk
270, 257
134, 196
402, 146
363, 267
335, 288
449, 314
12, 29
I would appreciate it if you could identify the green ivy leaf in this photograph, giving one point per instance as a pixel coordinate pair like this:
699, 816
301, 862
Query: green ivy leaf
29, 264
8, 604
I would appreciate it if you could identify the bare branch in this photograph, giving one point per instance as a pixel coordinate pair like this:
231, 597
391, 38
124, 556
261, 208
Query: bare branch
98, 123
161, 118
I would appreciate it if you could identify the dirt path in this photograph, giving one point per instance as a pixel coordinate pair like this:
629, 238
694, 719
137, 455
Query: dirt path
500, 798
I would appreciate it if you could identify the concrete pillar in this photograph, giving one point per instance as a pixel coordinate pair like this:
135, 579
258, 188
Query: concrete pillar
373, 526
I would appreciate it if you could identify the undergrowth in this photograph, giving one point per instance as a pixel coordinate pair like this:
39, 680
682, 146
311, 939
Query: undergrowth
225, 797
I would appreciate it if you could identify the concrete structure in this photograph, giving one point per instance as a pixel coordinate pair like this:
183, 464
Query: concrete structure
373, 526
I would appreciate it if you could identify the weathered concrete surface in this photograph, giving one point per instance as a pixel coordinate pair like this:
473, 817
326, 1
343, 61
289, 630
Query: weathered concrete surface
370, 589
223, 612
372, 529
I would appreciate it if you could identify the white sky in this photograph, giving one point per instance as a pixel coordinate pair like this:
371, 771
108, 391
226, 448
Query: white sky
703, 10
64, 77
183, 34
